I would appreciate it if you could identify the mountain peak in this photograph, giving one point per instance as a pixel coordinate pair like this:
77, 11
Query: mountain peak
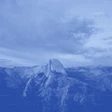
56, 66
53, 66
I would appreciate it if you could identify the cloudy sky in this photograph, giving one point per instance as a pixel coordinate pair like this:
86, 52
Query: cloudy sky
77, 32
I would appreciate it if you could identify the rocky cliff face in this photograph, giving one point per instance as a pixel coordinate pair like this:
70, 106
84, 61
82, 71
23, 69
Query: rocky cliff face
52, 88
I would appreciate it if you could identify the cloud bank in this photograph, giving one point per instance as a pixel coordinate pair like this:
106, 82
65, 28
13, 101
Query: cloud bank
31, 32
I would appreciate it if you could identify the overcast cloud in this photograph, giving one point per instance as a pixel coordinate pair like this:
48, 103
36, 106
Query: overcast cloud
78, 33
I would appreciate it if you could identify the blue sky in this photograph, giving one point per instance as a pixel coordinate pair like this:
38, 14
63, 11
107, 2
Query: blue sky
77, 32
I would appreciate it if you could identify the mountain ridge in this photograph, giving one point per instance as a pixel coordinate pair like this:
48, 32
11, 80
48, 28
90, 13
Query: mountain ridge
58, 89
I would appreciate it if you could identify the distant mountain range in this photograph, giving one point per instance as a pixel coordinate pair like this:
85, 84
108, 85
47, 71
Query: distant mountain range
53, 88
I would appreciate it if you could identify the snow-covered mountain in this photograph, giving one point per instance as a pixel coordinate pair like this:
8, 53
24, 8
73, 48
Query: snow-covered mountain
53, 88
